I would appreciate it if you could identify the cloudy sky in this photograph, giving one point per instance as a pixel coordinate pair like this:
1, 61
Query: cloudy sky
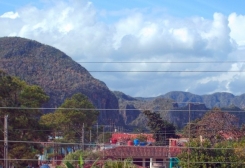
142, 47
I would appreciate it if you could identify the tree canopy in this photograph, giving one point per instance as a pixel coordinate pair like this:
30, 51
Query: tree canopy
221, 144
213, 125
16, 99
162, 130
204, 154
67, 121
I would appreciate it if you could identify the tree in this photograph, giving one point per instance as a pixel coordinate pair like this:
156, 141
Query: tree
204, 154
191, 129
162, 130
16, 99
104, 137
79, 156
239, 147
215, 150
127, 163
213, 124
67, 121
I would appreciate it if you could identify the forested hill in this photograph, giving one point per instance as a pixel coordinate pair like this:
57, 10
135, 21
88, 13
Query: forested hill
174, 107
219, 99
55, 72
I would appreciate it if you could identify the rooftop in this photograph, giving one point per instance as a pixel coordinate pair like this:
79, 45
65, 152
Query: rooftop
142, 151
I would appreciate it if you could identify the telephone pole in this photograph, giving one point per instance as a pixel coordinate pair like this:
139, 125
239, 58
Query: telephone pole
6, 141
83, 137
97, 133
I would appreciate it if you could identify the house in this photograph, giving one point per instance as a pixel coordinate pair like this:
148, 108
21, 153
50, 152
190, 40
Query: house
145, 156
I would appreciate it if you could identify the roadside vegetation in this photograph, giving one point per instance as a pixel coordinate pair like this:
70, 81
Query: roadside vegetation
20, 102
216, 140
28, 127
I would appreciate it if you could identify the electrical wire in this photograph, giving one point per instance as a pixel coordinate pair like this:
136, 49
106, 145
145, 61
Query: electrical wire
94, 109
177, 71
158, 62
102, 145
146, 62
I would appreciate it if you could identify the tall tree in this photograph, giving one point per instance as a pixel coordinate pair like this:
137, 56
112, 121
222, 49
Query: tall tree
67, 121
162, 130
16, 99
213, 125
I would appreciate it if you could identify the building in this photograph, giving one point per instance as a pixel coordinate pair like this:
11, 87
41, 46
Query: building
145, 155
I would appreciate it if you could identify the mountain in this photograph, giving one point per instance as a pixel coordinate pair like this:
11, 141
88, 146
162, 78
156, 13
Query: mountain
61, 77
56, 73
131, 108
219, 99
176, 107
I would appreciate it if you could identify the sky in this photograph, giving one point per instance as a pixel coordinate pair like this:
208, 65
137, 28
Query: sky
141, 47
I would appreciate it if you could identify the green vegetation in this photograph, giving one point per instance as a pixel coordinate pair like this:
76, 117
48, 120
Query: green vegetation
162, 130
212, 125
104, 137
22, 102
67, 121
213, 149
78, 158
23, 122
127, 163
205, 154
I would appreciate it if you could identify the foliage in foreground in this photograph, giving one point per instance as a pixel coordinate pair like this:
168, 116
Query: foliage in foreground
207, 155
127, 163
68, 120
79, 158
22, 120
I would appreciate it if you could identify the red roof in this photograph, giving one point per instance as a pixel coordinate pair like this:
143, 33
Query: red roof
141, 151
231, 134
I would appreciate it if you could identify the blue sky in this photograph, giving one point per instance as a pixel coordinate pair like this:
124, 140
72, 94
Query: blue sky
178, 8
141, 31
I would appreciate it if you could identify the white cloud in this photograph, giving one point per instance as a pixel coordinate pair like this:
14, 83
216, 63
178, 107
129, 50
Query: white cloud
75, 28
237, 26
10, 15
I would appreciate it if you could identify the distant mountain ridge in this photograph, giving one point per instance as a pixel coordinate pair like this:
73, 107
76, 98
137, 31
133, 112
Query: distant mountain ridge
219, 99
174, 107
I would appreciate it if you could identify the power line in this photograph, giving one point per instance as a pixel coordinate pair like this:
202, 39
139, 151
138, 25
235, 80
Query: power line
148, 62
89, 144
157, 62
170, 71
92, 109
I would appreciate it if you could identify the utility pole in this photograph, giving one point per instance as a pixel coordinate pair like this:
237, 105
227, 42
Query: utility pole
97, 132
189, 134
6, 141
83, 137
90, 137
